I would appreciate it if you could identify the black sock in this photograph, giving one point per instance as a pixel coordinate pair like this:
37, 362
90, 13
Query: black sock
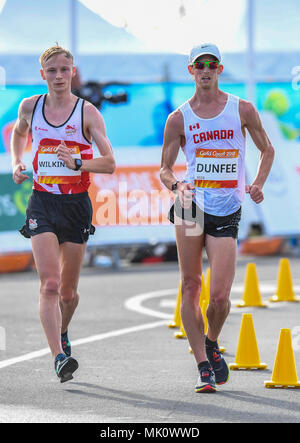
211, 344
65, 333
203, 364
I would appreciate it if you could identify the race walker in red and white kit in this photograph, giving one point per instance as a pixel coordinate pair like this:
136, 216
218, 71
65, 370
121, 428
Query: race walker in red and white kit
49, 173
59, 211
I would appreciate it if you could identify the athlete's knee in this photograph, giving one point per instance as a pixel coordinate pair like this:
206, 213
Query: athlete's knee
49, 287
220, 300
68, 295
191, 287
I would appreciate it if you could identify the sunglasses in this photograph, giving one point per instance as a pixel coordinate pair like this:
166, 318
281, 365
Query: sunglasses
201, 65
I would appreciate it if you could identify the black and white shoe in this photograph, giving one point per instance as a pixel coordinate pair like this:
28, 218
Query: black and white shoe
64, 367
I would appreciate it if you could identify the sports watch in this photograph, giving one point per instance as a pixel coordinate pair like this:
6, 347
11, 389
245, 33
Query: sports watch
78, 164
174, 186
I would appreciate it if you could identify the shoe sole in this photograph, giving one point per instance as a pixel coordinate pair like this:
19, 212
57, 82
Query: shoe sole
205, 389
67, 370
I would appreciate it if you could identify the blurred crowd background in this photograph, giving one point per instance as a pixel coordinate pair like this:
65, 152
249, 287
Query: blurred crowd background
132, 64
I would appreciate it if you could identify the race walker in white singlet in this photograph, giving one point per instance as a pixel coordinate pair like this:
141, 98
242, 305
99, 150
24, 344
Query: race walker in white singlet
215, 154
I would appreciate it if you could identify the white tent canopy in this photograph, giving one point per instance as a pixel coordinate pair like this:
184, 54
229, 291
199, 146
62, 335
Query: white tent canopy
117, 26
135, 39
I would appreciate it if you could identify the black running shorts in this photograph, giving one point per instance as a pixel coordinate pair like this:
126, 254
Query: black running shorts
224, 226
68, 216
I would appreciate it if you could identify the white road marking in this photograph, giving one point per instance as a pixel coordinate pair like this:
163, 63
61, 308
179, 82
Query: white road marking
167, 303
81, 341
135, 304
265, 288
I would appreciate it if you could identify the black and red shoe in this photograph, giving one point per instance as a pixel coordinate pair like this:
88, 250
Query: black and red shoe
218, 364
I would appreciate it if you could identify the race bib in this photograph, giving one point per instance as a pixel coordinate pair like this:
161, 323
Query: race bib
216, 168
51, 170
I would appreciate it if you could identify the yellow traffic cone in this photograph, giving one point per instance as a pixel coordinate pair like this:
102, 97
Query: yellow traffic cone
285, 291
181, 333
251, 295
176, 322
203, 305
222, 349
284, 371
203, 293
247, 356
207, 284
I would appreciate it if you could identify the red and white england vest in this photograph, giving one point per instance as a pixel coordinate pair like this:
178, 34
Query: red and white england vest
49, 173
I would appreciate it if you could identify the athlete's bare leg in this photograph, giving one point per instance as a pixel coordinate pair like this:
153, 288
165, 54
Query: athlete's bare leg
46, 253
71, 260
190, 261
221, 253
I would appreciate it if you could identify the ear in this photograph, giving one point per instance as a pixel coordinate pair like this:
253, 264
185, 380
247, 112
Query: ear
42, 74
74, 71
191, 69
220, 69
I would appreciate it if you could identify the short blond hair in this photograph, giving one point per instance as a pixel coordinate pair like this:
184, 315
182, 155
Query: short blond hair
55, 50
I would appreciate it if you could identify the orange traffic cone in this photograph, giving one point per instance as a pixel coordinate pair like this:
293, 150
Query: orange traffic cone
251, 296
247, 356
176, 321
284, 371
285, 291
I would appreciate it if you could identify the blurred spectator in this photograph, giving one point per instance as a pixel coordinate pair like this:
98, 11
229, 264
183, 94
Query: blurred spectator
93, 91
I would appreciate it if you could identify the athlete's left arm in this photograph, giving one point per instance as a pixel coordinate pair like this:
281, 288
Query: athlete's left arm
251, 121
94, 128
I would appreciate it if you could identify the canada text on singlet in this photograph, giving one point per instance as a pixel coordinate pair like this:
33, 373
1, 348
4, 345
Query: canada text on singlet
215, 154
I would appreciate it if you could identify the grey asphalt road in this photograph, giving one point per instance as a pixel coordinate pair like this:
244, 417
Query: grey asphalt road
132, 369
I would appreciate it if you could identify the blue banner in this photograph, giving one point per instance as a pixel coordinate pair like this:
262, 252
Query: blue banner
140, 121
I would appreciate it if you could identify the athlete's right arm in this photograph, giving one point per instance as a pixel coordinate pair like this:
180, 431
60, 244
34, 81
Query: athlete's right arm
19, 139
173, 139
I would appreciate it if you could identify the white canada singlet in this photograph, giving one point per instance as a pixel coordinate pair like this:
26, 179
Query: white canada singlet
49, 173
215, 155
